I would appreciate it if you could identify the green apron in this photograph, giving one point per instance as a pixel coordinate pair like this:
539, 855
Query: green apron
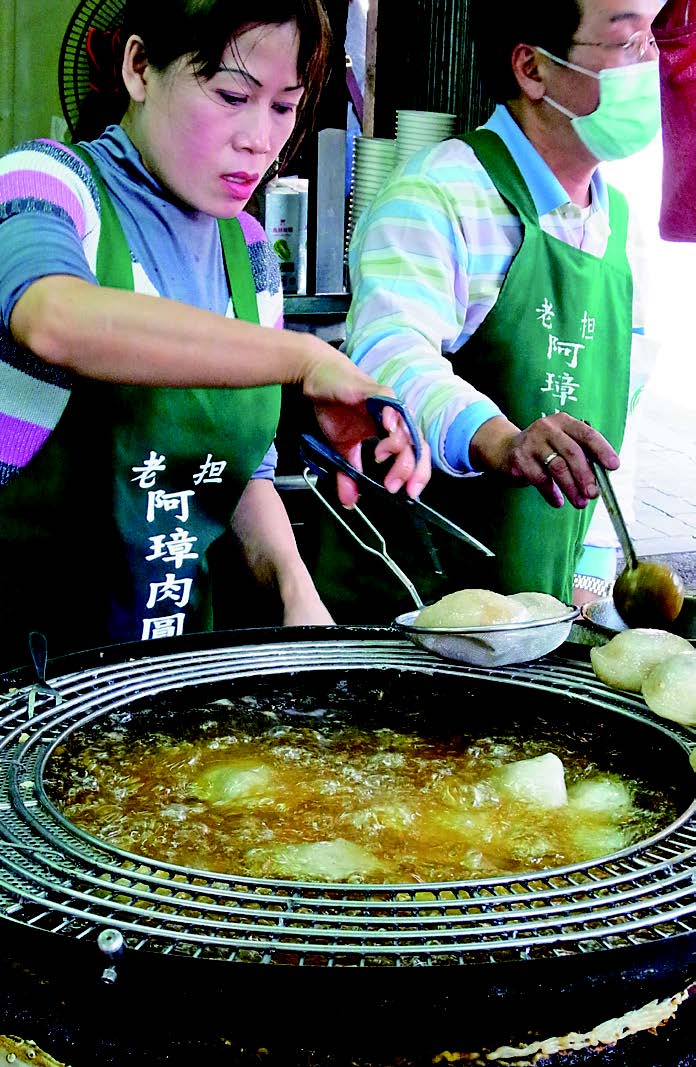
120, 508
558, 338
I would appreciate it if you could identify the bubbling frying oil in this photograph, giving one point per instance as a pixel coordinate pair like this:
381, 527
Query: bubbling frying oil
345, 805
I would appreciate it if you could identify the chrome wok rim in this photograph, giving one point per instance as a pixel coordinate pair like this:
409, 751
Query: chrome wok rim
62, 881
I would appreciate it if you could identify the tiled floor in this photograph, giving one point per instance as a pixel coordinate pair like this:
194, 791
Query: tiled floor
665, 479
665, 489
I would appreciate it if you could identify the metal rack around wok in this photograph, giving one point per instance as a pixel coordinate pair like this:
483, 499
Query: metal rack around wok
57, 879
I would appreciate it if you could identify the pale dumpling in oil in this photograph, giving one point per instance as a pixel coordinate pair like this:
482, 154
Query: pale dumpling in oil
604, 795
539, 781
235, 783
472, 607
382, 815
602, 839
603, 806
315, 861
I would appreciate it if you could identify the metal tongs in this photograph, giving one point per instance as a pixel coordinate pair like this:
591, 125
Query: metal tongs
323, 460
38, 647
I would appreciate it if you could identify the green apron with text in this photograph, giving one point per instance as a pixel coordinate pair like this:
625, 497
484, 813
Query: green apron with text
558, 338
118, 511
182, 458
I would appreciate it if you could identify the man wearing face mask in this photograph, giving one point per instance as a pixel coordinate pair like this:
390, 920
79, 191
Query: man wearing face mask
492, 291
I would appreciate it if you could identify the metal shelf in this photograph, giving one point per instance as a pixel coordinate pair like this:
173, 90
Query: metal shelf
322, 307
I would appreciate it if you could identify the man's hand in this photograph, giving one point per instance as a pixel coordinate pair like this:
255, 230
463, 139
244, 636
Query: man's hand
550, 454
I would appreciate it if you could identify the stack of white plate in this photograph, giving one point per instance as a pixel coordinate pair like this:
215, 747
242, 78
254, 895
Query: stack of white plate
420, 129
373, 163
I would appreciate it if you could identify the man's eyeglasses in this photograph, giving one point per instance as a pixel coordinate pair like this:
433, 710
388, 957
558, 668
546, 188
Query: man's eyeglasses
639, 44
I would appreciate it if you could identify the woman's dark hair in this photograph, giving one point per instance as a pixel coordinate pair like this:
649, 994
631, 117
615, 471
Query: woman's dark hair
201, 29
498, 27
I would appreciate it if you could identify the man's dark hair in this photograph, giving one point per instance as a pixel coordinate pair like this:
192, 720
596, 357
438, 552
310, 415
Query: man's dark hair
498, 27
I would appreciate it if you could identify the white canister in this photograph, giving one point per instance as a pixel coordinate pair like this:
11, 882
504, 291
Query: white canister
285, 222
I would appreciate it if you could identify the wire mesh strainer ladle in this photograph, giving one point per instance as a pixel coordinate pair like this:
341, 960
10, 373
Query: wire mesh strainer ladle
322, 460
483, 646
487, 646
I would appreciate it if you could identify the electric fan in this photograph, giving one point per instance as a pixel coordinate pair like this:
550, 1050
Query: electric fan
73, 71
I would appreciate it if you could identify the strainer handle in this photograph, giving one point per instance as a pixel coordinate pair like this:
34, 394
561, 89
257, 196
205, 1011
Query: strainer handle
381, 552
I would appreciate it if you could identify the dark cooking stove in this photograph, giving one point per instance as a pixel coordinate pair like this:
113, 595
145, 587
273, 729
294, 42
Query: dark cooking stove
380, 972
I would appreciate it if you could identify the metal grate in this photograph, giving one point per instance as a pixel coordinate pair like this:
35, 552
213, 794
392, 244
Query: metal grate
56, 878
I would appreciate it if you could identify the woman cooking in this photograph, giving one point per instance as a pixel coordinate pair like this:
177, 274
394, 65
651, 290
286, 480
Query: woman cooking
119, 287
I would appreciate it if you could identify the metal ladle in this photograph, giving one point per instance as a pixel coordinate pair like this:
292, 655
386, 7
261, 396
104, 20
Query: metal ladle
645, 594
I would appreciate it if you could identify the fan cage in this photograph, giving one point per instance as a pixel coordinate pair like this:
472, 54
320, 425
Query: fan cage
73, 69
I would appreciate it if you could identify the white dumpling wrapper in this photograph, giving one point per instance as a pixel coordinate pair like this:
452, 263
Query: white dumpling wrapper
670, 688
602, 840
601, 796
540, 605
539, 781
240, 782
625, 661
472, 607
321, 861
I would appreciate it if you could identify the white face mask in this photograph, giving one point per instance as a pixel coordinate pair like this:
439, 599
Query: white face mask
627, 117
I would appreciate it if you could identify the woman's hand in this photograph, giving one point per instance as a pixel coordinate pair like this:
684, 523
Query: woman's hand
266, 538
305, 610
550, 454
136, 339
338, 390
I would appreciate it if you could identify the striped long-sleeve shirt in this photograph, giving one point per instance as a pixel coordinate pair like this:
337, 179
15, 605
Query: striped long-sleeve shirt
49, 224
427, 262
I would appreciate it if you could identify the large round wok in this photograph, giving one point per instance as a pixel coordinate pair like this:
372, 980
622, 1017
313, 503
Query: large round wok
404, 966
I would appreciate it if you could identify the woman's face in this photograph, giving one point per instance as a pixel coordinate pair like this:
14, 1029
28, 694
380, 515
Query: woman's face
210, 142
